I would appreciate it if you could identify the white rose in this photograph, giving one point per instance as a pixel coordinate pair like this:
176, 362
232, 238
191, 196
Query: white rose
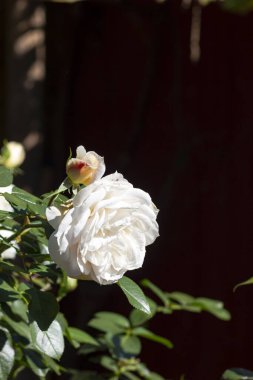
9, 253
105, 233
86, 168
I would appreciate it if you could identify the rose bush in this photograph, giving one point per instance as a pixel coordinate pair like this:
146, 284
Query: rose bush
106, 231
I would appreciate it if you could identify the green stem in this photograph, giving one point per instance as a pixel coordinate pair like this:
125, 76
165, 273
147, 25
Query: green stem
52, 199
23, 229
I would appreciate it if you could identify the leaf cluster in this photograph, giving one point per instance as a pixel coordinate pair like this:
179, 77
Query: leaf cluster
119, 339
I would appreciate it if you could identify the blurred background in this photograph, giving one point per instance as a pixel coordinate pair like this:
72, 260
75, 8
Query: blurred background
163, 90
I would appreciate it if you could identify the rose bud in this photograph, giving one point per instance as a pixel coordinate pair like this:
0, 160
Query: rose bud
13, 154
86, 168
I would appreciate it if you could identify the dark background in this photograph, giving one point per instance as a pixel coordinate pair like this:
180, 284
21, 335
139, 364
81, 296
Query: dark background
119, 79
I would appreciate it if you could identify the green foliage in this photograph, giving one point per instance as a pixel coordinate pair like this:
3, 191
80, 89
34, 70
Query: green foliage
237, 374
181, 301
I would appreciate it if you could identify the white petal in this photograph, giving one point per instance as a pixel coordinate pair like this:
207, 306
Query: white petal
65, 260
54, 216
80, 152
5, 205
6, 189
9, 253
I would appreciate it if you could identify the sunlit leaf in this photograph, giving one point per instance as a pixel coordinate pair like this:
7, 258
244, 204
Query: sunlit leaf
50, 341
134, 294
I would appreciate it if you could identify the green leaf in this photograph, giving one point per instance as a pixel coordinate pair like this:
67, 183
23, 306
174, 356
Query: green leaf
144, 333
50, 341
17, 203
138, 317
28, 201
50, 363
63, 322
214, 307
7, 292
22, 200
108, 363
43, 308
19, 327
134, 294
116, 318
181, 298
35, 362
7, 266
6, 177
81, 336
19, 308
7, 355
157, 291
237, 374
105, 325
247, 282
130, 344
43, 270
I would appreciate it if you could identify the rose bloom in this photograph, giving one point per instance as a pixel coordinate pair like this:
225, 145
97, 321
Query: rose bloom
105, 233
86, 168
9, 253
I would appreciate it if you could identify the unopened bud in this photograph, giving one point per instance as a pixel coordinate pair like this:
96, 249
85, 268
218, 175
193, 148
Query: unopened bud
12, 155
71, 284
86, 168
